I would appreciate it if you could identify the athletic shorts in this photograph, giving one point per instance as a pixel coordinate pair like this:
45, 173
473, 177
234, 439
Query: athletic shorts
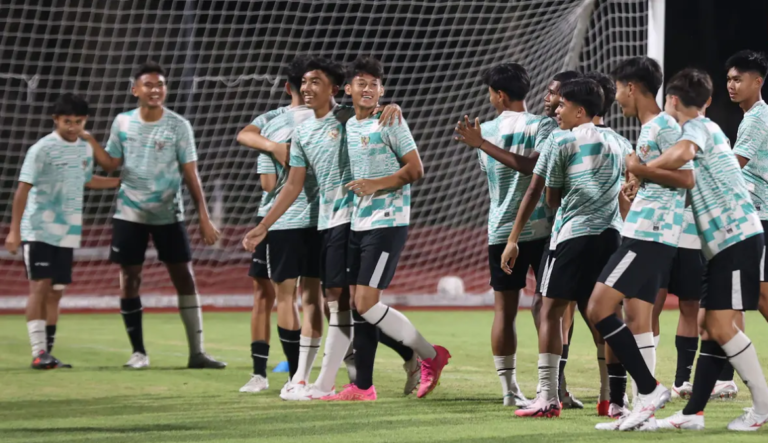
130, 241
732, 278
334, 243
258, 268
529, 256
43, 261
639, 268
543, 265
682, 280
373, 255
292, 253
575, 265
764, 263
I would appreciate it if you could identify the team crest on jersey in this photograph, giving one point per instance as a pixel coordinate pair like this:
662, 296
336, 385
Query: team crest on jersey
365, 140
85, 164
644, 150
159, 145
333, 134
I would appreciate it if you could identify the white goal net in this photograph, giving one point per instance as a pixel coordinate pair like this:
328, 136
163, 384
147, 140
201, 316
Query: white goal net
225, 61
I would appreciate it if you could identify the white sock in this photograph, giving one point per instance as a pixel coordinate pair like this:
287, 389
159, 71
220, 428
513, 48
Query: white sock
36, 331
605, 389
505, 368
656, 340
349, 359
742, 355
308, 347
336, 346
549, 368
191, 313
647, 346
397, 326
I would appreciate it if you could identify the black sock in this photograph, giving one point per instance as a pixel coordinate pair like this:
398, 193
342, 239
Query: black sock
563, 361
623, 344
132, 312
727, 373
617, 382
50, 336
686, 354
260, 354
708, 367
290, 341
365, 340
404, 351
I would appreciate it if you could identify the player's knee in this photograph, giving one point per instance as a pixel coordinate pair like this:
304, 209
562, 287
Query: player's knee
595, 312
333, 294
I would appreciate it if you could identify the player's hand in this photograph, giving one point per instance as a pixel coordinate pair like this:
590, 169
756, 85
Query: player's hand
12, 242
209, 232
633, 162
364, 187
85, 135
509, 256
624, 204
281, 153
630, 189
390, 114
254, 237
468, 133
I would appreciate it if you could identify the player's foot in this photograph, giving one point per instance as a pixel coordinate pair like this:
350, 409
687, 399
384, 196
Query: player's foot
44, 360
62, 365
290, 389
683, 391
353, 393
515, 397
618, 414
645, 407
431, 368
412, 370
137, 361
204, 361
649, 425
749, 421
308, 392
724, 390
540, 408
571, 402
257, 383
679, 420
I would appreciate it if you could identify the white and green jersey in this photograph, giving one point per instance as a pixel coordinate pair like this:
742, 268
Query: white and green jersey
689, 237
261, 164
153, 155
614, 137
375, 151
303, 211
520, 133
752, 144
720, 200
319, 144
656, 213
587, 167
58, 171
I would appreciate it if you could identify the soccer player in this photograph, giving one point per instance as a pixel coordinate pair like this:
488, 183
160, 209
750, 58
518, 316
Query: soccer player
506, 149
583, 182
291, 247
47, 216
156, 149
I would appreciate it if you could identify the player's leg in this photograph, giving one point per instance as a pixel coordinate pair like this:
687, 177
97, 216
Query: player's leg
540, 271
639, 320
311, 328
566, 398
52, 314
288, 323
38, 261
658, 308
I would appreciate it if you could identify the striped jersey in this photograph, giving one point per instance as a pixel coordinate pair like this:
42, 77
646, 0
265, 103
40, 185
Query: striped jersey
752, 144
260, 122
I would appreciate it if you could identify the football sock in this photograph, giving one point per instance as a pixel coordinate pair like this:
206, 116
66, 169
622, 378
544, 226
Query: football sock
50, 336
336, 345
366, 340
397, 326
349, 360
711, 359
656, 341
742, 355
260, 355
505, 368
36, 331
404, 351
308, 348
191, 313
290, 342
605, 386
727, 373
624, 346
548, 375
617, 380
647, 349
131, 310
561, 370
686, 354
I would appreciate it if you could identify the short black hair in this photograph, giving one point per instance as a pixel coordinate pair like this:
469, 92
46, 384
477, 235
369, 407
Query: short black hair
70, 104
149, 67
585, 92
692, 86
366, 64
609, 90
565, 76
748, 61
642, 71
510, 78
295, 70
334, 70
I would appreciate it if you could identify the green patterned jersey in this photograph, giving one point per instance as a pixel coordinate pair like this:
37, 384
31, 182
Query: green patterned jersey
303, 211
720, 200
375, 151
58, 171
656, 213
260, 122
689, 237
587, 168
752, 144
520, 133
153, 156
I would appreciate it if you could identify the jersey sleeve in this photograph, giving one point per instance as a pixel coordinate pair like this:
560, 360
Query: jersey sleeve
546, 126
751, 137
297, 157
695, 131
115, 143
185, 146
89, 165
33, 165
265, 118
265, 165
556, 168
545, 151
400, 139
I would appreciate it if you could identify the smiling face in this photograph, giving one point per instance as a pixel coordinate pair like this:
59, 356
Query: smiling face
568, 114
151, 90
317, 89
365, 90
625, 97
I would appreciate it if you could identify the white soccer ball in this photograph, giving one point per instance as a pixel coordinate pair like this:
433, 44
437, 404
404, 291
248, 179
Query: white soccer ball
450, 286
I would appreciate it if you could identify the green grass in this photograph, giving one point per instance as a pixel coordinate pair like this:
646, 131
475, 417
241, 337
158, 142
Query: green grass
99, 401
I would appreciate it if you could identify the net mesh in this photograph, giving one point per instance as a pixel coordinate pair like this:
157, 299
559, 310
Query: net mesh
225, 61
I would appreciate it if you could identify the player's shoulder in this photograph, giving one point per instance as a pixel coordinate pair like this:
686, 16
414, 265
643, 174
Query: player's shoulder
174, 118
563, 137
49, 141
759, 111
123, 119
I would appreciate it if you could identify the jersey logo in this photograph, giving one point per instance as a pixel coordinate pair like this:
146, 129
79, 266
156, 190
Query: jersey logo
644, 151
159, 145
365, 140
85, 164
333, 134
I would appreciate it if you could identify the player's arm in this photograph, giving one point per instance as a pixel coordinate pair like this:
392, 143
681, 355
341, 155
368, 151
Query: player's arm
554, 197
675, 157
411, 171
99, 182
13, 240
284, 200
678, 178
267, 172
268, 181
524, 213
752, 137
251, 137
472, 136
186, 155
114, 150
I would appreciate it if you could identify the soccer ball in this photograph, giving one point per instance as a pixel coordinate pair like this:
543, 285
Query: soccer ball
450, 286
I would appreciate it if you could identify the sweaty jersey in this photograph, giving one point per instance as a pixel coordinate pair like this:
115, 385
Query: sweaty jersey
720, 200
375, 151
752, 144
656, 213
520, 133
153, 156
587, 167
303, 211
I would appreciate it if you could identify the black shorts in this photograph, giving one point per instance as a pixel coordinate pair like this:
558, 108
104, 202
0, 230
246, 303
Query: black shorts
292, 253
43, 261
130, 241
529, 256
574, 266
373, 255
333, 256
763, 262
258, 268
686, 278
732, 278
543, 265
639, 268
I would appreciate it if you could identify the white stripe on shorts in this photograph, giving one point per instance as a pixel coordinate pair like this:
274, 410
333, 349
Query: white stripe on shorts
269, 267
737, 304
547, 274
618, 271
380, 265
762, 265
25, 251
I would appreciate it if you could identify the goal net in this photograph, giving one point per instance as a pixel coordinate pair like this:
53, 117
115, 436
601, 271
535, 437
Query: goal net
225, 61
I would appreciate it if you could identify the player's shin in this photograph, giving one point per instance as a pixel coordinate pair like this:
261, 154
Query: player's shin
311, 330
336, 345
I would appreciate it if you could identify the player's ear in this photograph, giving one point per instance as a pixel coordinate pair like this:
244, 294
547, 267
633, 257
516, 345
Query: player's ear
288, 89
335, 90
348, 89
381, 91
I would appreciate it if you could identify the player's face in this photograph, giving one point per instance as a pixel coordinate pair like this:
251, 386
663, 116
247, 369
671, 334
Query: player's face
151, 90
625, 98
568, 114
365, 90
742, 85
317, 89
552, 99
69, 127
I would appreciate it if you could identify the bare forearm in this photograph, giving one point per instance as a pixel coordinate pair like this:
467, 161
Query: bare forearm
19, 204
517, 162
106, 161
192, 180
527, 206
675, 179
252, 138
283, 202
406, 175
